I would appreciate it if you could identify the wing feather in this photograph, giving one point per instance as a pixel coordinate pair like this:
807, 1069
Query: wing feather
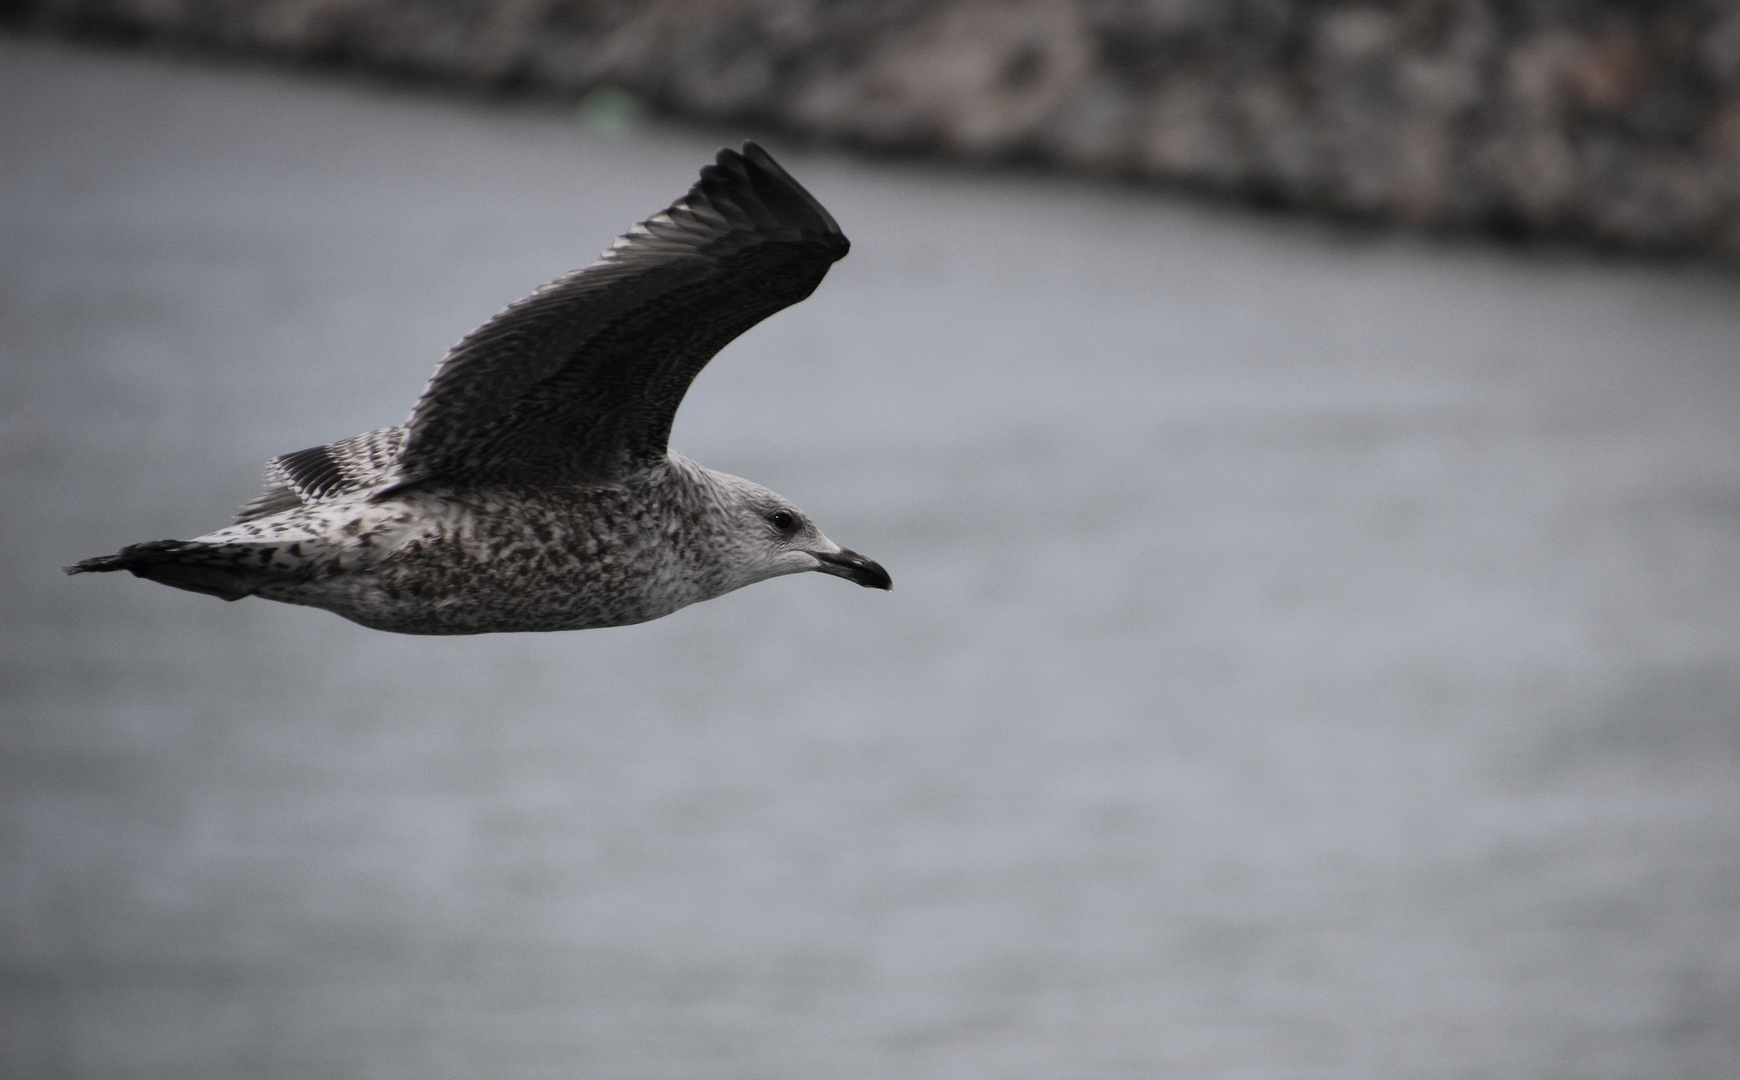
581, 380
319, 473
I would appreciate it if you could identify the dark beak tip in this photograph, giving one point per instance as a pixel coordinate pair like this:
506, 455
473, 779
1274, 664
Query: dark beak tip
856, 568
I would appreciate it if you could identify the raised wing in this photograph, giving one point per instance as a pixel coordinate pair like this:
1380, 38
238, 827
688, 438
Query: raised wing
580, 381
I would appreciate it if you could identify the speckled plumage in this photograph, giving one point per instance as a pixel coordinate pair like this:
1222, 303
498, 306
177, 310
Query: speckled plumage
532, 487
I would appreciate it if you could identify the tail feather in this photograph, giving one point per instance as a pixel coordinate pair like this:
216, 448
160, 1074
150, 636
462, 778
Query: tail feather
181, 564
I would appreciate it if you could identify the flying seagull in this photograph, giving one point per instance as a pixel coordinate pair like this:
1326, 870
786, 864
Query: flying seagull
532, 488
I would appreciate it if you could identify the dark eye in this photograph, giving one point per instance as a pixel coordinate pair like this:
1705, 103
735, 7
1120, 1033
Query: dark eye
782, 520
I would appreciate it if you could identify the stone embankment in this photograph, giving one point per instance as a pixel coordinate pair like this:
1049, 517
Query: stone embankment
1614, 122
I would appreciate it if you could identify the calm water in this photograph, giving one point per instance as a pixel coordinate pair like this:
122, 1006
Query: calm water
1313, 654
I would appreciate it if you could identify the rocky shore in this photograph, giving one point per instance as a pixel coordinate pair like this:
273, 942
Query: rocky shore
1617, 123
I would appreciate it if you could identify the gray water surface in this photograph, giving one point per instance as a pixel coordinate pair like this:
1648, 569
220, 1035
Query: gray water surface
1313, 654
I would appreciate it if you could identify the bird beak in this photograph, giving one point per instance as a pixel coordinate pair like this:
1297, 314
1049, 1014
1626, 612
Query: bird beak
854, 567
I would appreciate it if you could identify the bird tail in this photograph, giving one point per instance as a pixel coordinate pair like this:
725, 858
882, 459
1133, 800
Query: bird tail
209, 569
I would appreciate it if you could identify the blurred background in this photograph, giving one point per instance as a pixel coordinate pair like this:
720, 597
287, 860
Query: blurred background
1303, 438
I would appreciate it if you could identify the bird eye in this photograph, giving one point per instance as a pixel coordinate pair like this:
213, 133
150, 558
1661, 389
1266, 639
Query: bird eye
782, 520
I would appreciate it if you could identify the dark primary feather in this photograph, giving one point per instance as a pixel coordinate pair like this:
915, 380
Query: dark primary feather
581, 380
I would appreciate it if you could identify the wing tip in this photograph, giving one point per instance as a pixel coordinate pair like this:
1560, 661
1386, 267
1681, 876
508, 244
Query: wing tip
755, 167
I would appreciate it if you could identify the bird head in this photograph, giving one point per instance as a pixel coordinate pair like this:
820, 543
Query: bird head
767, 536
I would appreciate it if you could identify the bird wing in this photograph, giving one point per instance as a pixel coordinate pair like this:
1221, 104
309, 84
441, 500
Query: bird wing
361, 462
580, 381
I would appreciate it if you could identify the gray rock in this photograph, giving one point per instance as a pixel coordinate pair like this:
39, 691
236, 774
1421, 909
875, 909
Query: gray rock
1619, 123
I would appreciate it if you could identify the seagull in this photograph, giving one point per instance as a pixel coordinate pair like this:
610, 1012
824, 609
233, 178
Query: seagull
533, 487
